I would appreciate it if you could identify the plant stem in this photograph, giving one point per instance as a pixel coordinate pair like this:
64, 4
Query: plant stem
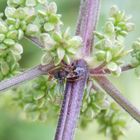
100, 71
88, 17
74, 90
116, 95
72, 101
25, 76
35, 41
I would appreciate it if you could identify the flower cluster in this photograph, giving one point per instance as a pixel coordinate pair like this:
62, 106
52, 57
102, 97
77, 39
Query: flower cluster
39, 99
59, 46
136, 56
110, 45
93, 103
33, 18
97, 107
111, 122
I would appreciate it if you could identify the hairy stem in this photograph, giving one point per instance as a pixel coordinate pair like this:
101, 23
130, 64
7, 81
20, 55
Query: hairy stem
71, 104
100, 71
116, 95
88, 15
25, 76
35, 40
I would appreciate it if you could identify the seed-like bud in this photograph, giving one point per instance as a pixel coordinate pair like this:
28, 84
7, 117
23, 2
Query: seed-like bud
10, 11
114, 10
112, 66
17, 49
53, 7
130, 27
32, 29
47, 41
3, 27
31, 3
2, 37
48, 27
109, 28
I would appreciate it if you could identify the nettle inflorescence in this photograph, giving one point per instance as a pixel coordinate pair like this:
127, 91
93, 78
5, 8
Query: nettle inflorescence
33, 19
41, 98
111, 46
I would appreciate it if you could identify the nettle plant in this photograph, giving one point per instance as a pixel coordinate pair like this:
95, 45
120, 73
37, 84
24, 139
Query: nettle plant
77, 65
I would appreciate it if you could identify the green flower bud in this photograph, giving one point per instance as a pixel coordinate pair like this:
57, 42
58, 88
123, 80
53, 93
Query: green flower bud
30, 107
15, 3
130, 27
53, 7
30, 3
3, 27
9, 42
32, 29
114, 10
46, 59
12, 34
112, 66
67, 59
60, 53
20, 34
109, 28
2, 47
38, 95
75, 41
48, 27
99, 35
57, 36
42, 13
10, 11
30, 14
11, 21
100, 55
108, 56
47, 41
17, 49
2, 37
4, 67
42, 1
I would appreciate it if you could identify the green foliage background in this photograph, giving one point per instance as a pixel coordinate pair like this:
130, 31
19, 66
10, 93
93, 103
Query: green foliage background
11, 128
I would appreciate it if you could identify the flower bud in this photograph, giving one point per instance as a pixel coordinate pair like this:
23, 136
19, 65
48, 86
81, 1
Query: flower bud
32, 30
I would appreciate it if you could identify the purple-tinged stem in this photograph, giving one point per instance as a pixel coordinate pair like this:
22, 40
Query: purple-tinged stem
88, 17
74, 90
71, 105
116, 95
100, 71
25, 76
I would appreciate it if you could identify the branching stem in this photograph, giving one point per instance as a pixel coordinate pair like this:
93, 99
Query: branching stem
116, 95
25, 76
88, 16
71, 105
